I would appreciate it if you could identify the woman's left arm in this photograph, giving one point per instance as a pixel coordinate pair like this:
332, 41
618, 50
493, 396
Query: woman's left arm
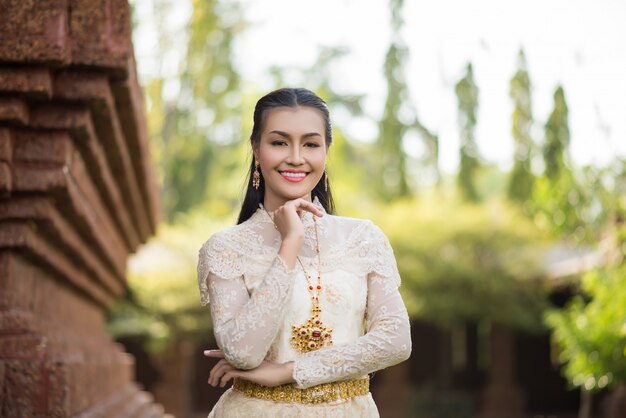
387, 341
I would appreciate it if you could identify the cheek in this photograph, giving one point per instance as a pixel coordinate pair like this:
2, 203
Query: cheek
270, 156
318, 159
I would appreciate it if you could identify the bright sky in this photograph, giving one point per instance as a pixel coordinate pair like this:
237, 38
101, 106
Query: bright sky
577, 43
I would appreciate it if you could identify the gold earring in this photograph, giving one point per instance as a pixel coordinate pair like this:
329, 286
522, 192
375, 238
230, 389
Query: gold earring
256, 177
325, 180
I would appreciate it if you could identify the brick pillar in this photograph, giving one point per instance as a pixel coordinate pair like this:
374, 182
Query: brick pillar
77, 196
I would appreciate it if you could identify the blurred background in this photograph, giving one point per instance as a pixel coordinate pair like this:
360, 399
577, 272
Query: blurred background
486, 138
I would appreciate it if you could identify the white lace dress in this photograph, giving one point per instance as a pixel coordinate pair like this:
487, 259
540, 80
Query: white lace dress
255, 299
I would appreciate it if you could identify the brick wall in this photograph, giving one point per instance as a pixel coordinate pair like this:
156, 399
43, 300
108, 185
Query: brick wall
77, 196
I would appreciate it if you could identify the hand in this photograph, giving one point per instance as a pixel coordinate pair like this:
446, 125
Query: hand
287, 218
266, 374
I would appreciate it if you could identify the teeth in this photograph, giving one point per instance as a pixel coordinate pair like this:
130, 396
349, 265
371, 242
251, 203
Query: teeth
295, 175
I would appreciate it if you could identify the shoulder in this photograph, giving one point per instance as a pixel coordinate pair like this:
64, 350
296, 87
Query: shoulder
225, 254
359, 228
350, 223
223, 237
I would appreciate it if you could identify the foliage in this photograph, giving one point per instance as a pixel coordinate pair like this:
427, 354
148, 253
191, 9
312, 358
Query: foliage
592, 336
190, 129
464, 262
591, 331
467, 96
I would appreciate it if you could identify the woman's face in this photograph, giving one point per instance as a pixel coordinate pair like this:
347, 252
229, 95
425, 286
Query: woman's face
291, 153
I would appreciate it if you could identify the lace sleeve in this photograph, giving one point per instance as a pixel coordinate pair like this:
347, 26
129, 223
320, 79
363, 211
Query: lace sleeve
244, 324
387, 340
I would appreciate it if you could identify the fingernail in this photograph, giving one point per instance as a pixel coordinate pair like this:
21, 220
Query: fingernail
207, 351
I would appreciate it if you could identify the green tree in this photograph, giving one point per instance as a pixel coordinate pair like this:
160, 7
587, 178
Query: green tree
555, 151
398, 119
467, 96
392, 181
592, 335
521, 180
590, 331
195, 129
562, 197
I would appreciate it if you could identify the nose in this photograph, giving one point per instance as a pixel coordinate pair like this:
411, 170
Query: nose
295, 157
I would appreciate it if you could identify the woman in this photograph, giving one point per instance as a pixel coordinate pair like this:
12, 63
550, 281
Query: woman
304, 303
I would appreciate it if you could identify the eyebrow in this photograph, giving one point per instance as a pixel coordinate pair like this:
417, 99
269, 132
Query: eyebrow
286, 135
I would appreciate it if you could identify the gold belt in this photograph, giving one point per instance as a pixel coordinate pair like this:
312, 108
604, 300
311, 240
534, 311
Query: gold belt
326, 392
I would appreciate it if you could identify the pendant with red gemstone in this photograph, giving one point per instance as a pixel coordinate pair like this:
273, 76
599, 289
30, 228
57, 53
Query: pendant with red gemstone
312, 335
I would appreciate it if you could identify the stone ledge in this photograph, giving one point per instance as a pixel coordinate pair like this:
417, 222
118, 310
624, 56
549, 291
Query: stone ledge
13, 111
76, 120
44, 153
31, 83
53, 227
20, 236
93, 90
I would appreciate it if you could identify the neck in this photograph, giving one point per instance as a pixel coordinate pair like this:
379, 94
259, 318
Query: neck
271, 203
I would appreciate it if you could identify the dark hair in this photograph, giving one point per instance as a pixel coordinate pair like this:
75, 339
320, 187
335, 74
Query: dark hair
285, 97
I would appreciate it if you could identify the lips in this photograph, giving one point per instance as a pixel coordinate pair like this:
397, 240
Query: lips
293, 175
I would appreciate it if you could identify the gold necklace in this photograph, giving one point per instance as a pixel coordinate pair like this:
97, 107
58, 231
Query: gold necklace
313, 334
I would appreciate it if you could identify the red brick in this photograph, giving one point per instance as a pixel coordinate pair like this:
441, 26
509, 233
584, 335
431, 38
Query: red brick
6, 179
33, 83
13, 111
6, 149
101, 34
45, 147
24, 384
16, 321
34, 31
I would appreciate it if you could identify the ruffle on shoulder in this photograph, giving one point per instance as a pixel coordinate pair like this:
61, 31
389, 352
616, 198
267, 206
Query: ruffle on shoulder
376, 254
226, 255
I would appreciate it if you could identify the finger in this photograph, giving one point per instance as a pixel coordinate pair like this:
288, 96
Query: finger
223, 376
303, 204
214, 353
227, 376
219, 372
216, 373
216, 370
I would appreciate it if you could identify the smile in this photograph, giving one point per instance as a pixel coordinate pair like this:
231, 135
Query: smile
293, 176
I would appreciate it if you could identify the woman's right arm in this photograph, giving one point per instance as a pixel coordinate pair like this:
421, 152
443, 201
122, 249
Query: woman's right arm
245, 325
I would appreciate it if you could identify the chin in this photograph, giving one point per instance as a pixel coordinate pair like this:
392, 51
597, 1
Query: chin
290, 193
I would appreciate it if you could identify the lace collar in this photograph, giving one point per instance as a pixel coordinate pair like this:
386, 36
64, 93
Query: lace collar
307, 217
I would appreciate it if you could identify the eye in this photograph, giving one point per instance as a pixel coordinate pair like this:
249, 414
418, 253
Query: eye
312, 144
278, 142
